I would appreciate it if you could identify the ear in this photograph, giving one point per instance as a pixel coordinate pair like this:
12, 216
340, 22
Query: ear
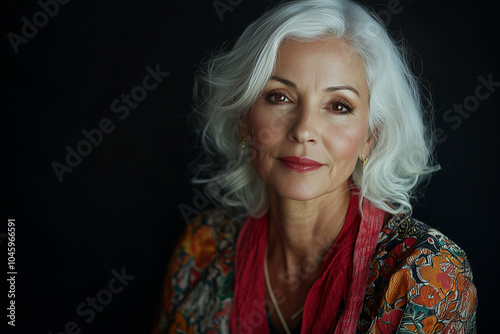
368, 144
244, 125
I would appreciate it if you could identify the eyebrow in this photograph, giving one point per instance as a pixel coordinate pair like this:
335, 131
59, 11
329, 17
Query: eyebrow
326, 90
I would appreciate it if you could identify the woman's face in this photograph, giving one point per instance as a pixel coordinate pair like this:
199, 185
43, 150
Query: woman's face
310, 124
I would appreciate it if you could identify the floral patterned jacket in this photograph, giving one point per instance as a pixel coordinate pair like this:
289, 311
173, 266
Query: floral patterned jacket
419, 281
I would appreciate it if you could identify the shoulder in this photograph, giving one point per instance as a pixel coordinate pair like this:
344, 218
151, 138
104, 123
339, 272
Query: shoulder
420, 279
204, 253
206, 235
408, 238
198, 281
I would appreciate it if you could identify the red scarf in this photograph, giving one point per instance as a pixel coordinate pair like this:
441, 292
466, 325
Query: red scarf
343, 276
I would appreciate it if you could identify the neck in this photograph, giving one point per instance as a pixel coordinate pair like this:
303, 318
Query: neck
301, 232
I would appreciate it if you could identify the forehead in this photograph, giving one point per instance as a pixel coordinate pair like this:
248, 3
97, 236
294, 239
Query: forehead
322, 62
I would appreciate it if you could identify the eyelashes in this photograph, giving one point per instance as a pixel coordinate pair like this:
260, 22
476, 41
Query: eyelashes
337, 105
341, 106
277, 97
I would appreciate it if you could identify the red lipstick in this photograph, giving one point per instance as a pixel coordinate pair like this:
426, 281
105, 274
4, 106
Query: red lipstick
300, 165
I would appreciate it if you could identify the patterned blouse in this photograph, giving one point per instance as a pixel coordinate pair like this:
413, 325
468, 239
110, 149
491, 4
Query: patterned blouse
419, 281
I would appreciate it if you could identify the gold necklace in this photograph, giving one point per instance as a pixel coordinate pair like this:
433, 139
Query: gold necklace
273, 299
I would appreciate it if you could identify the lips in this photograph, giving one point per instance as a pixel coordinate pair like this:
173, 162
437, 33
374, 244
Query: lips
300, 165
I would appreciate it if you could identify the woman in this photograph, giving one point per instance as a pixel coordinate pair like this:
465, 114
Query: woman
315, 139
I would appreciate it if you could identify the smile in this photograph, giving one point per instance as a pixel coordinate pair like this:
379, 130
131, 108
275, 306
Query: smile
300, 165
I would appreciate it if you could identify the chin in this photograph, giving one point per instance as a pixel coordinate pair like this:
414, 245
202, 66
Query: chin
299, 192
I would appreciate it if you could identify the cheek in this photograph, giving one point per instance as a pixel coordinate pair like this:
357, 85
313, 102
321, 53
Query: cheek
267, 128
344, 143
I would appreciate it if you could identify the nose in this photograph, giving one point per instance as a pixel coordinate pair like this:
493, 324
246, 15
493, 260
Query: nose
304, 125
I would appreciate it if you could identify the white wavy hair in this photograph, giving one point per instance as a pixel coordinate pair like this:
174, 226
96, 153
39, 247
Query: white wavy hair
230, 82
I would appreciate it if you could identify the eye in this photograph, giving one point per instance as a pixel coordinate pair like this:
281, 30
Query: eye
277, 97
341, 106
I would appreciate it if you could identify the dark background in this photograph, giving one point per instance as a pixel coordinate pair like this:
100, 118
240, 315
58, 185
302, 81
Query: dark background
119, 207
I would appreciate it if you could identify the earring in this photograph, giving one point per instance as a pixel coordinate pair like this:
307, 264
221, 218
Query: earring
243, 142
364, 159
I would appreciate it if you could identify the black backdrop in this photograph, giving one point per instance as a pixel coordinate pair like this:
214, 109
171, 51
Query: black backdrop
116, 213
